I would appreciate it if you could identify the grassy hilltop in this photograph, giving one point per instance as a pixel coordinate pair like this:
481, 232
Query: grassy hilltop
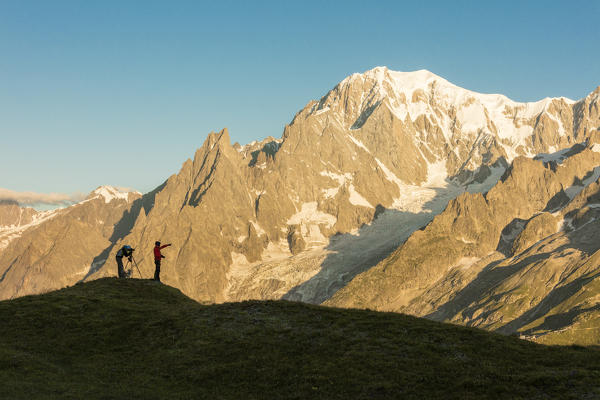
127, 339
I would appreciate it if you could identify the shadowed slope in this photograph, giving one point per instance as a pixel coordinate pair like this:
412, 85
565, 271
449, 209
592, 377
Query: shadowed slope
138, 339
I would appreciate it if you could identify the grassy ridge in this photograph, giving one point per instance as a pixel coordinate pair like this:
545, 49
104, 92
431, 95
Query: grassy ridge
138, 339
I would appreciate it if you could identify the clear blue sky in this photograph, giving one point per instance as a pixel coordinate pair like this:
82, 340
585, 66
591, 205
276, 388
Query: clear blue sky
123, 92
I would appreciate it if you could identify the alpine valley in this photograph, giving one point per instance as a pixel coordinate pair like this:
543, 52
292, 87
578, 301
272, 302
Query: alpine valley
396, 191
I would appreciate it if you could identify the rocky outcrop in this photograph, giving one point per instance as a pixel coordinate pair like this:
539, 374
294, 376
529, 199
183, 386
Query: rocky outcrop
295, 239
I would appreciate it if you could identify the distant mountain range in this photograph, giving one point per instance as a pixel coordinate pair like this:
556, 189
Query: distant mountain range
396, 191
47, 250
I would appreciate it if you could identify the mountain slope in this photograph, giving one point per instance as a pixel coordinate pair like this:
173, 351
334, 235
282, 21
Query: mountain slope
62, 247
353, 175
523, 257
15, 219
137, 339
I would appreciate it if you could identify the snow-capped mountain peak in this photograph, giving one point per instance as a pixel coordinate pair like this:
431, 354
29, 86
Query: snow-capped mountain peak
421, 99
110, 193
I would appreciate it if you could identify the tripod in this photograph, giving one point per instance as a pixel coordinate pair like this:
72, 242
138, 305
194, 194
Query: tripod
132, 264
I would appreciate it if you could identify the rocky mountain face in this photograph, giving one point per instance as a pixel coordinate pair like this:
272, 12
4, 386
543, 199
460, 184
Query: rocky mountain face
523, 257
355, 181
353, 176
61, 247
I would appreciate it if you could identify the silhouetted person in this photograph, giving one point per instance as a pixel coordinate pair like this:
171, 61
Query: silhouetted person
157, 257
125, 251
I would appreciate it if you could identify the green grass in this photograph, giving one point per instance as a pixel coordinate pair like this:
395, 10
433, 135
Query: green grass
127, 339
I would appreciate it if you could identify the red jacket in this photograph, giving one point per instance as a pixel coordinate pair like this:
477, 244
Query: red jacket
157, 255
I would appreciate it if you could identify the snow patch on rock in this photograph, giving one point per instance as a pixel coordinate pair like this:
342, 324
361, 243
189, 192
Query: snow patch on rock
259, 230
357, 199
310, 215
472, 117
358, 143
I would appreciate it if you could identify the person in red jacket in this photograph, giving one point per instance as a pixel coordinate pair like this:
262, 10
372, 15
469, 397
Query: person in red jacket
157, 258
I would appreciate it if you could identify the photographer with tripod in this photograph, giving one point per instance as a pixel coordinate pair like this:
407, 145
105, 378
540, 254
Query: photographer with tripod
125, 251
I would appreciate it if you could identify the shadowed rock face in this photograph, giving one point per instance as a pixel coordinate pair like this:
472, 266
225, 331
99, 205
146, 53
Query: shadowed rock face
353, 176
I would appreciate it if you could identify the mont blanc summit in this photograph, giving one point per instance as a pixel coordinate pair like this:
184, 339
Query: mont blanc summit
386, 167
